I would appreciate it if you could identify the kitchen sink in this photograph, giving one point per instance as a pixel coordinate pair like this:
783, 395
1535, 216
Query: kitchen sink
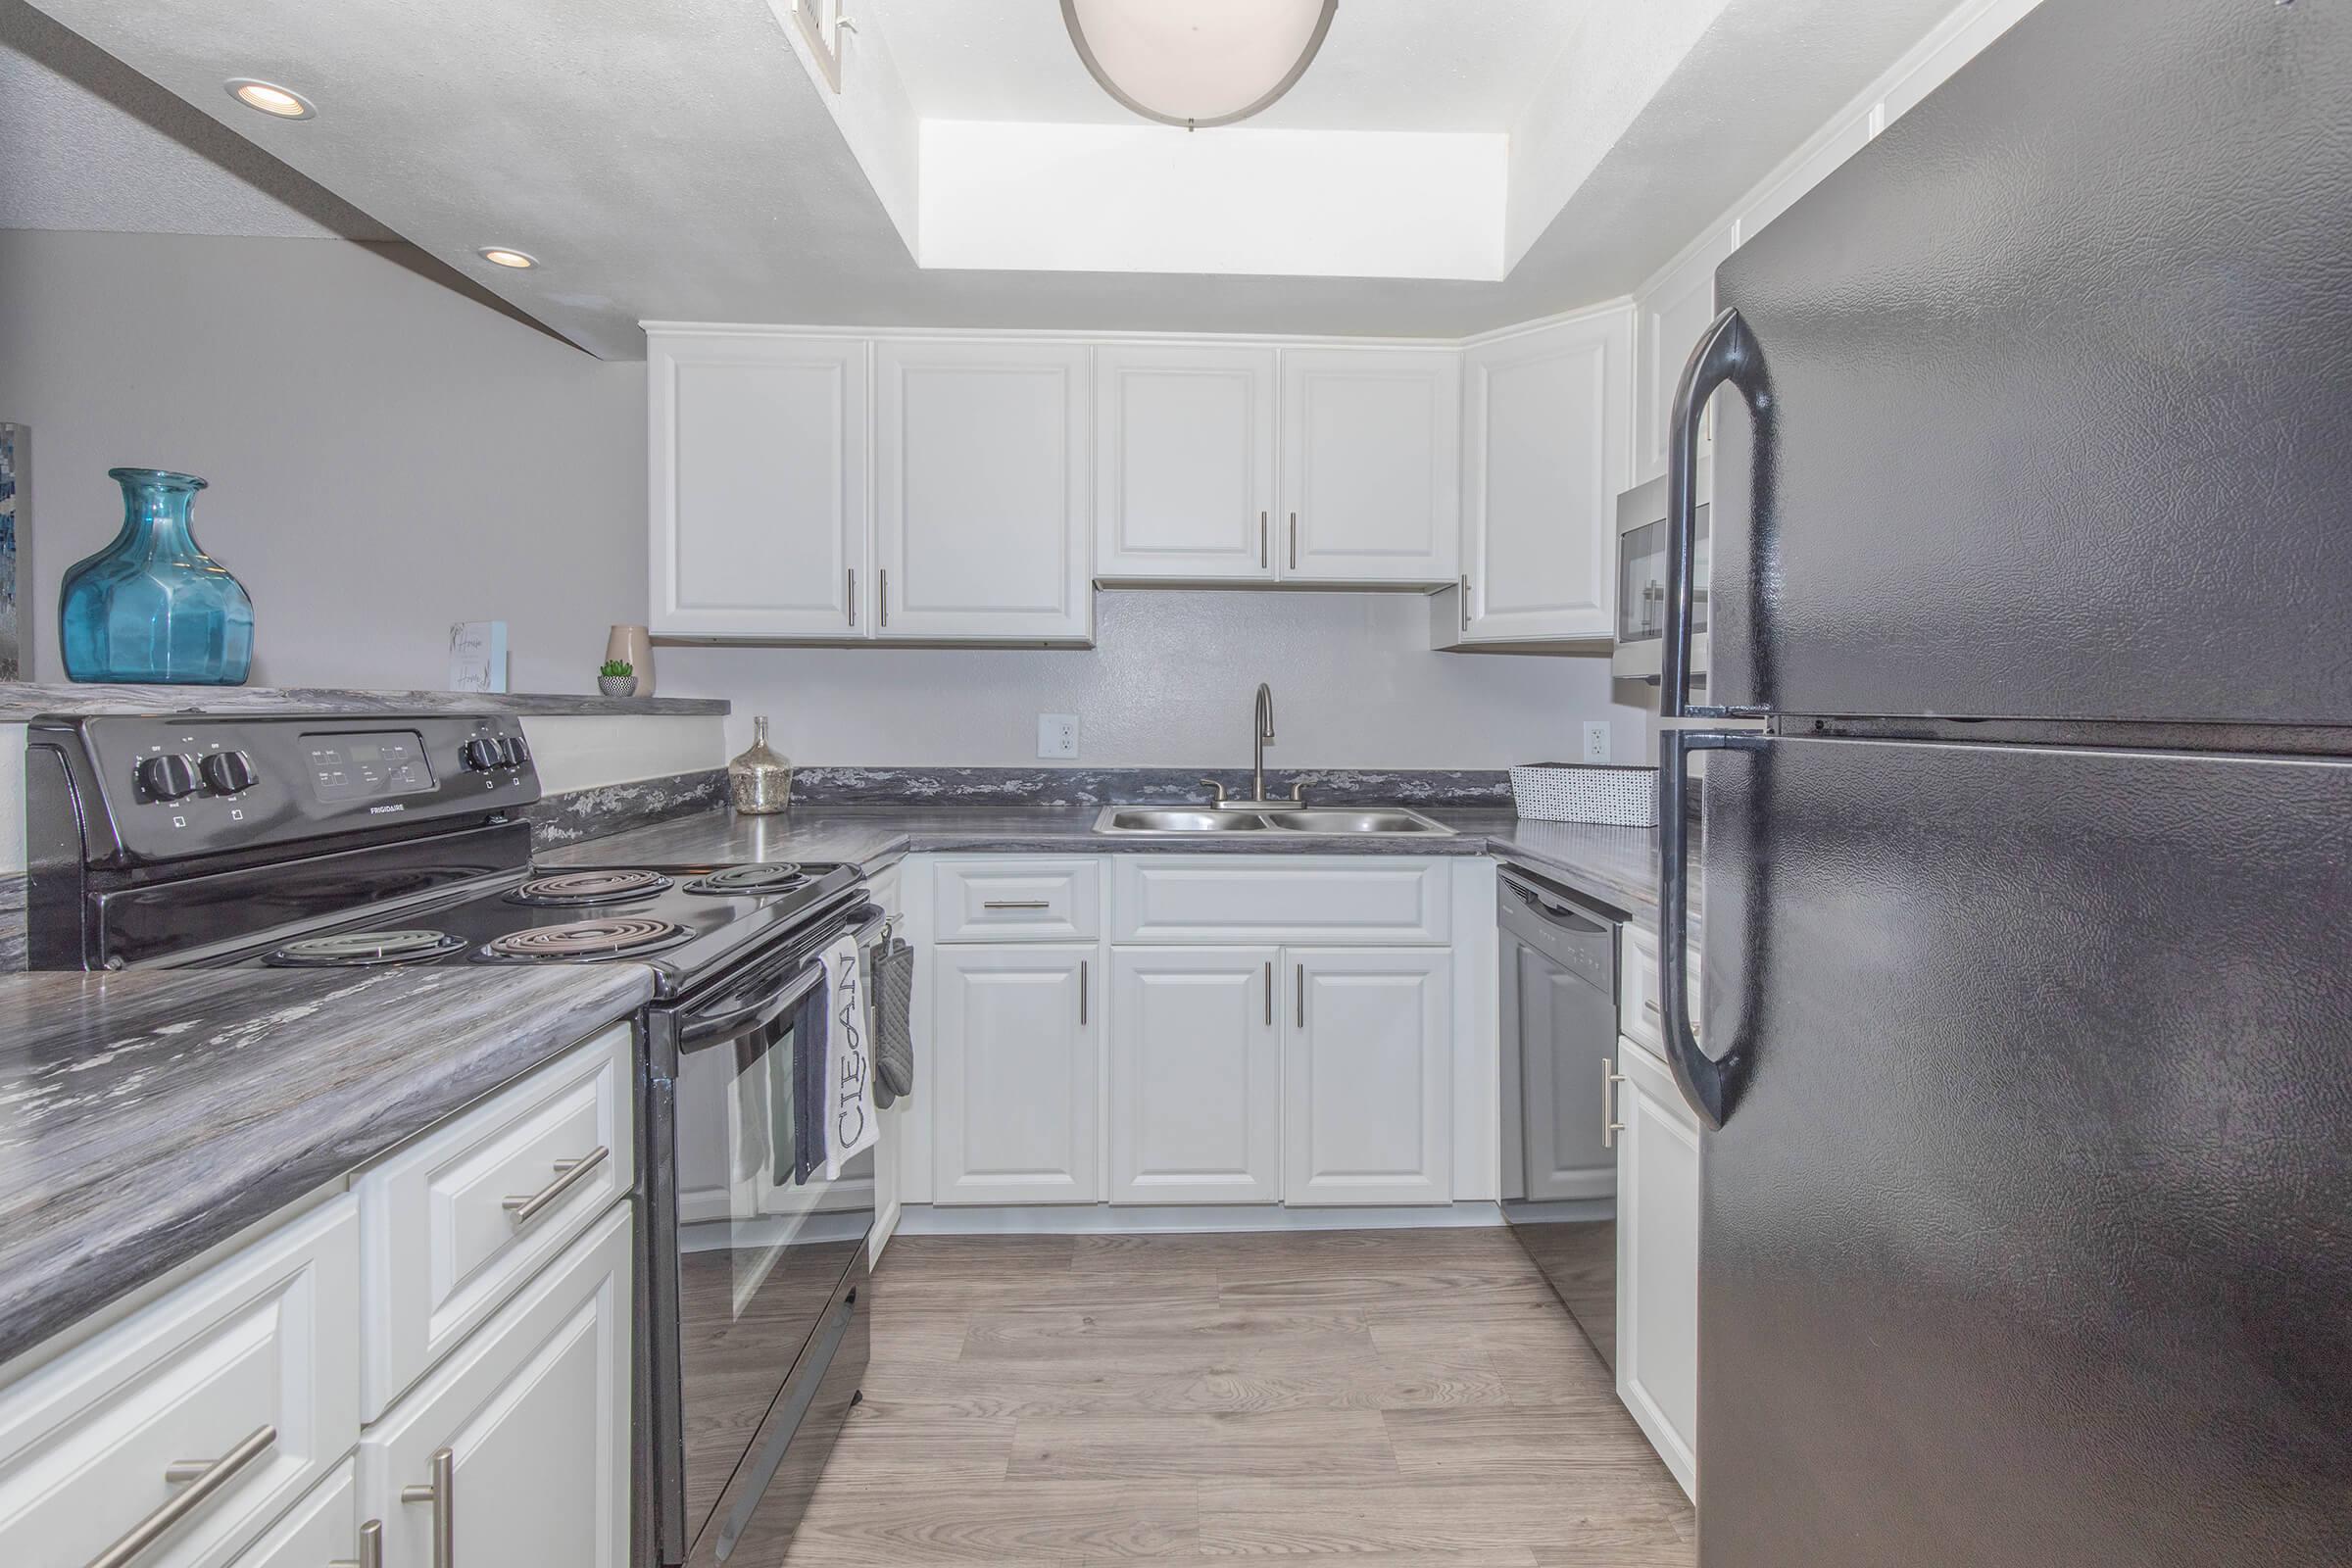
1345, 822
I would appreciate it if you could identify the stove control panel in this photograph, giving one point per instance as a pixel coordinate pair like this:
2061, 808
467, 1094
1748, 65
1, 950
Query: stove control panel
165, 788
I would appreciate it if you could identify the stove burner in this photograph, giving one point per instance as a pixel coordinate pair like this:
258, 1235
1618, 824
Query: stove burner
568, 889
615, 936
777, 877
361, 948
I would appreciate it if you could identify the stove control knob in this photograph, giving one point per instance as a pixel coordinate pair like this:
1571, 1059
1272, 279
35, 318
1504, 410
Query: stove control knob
229, 772
479, 753
518, 753
169, 777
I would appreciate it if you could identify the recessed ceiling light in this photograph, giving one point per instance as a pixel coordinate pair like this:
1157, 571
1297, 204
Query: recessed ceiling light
269, 98
500, 256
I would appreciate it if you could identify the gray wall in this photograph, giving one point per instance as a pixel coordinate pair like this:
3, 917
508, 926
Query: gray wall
386, 456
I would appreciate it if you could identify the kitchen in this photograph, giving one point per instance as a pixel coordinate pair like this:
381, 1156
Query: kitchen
1285, 750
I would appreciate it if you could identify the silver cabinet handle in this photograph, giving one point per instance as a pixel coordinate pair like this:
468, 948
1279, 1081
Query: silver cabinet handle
442, 1493
1016, 904
1082, 993
1262, 562
1269, 993
882, 595
371, 1547
852, 596
1293, 541
569, 1174
202, 1478
1301, 987
1465, 603
1610, 1126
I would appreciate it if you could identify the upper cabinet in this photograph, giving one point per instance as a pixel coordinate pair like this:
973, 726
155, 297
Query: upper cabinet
1546, 449
758, 467
981, 506
1184, 463
1371, 465
1672, 311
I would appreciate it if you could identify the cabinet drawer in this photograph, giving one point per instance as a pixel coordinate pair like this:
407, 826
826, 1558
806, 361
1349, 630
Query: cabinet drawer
1279, 898
1019, 900
323, 1528
441, 1246
1637, 1014
253, 1366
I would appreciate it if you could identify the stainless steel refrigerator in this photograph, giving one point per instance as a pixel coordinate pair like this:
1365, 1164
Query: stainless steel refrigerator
2026, 1046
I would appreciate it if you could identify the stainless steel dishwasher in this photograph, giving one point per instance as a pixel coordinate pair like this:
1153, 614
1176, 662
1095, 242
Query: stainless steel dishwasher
1560, 1032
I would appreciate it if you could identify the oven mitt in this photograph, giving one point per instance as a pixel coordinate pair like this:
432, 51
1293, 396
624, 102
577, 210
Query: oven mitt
893, 1021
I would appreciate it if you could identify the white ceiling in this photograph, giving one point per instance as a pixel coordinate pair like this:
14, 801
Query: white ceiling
1386, 64
674, 161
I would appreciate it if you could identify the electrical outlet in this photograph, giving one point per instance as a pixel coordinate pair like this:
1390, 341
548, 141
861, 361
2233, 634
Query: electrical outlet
1596, 741
1057, 734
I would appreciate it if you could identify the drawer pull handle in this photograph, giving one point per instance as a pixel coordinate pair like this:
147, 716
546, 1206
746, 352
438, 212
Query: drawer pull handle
1016, 904
442, 1493
569, 1174
202, 1478
371, 1547
1610, 1126
1651, 1009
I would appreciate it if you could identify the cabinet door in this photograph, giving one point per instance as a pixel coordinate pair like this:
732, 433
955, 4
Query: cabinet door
319, 1532
758, 471
1674, 310
1371, 465
980, 491
534, 1408
1545, 439
1196, 1076
1368, 1076
1657, 1261
1017, 1064
1184, 463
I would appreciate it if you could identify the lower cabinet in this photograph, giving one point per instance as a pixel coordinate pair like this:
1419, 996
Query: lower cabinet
322, 1528
1196, 1076
515, 1449
1657, 1260
1015, 1056
1368, 1076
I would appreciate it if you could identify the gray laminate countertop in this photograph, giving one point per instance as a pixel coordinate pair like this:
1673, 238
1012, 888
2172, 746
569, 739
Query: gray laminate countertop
1617, 865
146, 1116
24, 700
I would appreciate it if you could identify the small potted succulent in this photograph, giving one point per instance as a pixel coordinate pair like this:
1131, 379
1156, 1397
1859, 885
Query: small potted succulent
617, 677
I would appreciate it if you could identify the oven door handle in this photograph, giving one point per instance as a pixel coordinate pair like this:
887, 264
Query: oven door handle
701, 1029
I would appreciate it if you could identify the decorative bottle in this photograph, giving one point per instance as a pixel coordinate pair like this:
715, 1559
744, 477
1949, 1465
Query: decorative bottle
151, 607
760, 781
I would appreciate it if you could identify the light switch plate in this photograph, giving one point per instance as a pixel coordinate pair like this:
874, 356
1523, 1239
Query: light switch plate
1057, 734
1596, 741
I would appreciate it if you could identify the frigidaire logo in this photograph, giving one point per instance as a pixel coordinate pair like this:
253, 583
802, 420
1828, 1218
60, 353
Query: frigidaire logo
395, 806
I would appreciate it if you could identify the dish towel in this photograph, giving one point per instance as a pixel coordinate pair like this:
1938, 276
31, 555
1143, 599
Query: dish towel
850, 1122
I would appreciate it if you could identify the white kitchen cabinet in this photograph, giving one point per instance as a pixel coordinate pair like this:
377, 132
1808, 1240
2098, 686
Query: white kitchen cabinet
252, 1367
1196, 1076
1371, 465
1657, 1260
1184, 462
1367, 1076
1673, 311
758, 471
1546, 449
1016, 1060
320, 1531
534, 1414
982, 516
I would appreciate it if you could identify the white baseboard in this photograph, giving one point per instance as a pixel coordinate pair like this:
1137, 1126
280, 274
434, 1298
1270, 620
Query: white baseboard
1106, 1219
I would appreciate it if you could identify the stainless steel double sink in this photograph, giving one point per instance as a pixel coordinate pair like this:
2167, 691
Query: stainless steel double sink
1272, 817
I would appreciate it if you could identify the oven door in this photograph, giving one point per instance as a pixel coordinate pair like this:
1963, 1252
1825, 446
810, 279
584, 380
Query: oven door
755, 1260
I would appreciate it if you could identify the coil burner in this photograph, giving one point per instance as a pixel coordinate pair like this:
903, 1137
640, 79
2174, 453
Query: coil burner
577, 889
360, 949
618, 936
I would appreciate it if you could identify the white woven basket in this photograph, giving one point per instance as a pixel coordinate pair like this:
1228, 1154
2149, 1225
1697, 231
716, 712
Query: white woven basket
1586, 791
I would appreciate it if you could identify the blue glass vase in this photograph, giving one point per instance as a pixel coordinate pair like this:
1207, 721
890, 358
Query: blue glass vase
152, 606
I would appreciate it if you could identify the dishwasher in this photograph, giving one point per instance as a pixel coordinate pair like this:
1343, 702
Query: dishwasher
1560, 1032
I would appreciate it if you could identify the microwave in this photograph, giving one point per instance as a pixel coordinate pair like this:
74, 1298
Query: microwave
1641, 579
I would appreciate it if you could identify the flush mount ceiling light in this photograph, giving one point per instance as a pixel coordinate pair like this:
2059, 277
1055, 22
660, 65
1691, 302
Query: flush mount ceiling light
501, 256
269, 98
1195, 63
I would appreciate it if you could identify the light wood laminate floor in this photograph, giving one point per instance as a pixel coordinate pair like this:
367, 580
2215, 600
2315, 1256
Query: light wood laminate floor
1368, 1397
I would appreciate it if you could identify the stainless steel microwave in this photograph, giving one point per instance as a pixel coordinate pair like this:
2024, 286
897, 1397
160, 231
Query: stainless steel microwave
1641, 579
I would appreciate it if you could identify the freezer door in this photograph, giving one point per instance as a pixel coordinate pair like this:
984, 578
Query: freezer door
2031, 1238
2060, 419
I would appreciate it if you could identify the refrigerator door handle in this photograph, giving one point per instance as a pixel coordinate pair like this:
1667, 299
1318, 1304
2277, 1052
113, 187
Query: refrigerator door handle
1712, 1085
1726, 353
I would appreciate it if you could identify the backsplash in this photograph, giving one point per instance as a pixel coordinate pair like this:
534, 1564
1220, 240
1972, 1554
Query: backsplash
1105, 786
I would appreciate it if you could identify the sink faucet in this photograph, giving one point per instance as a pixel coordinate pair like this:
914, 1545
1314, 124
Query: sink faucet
1262, 730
